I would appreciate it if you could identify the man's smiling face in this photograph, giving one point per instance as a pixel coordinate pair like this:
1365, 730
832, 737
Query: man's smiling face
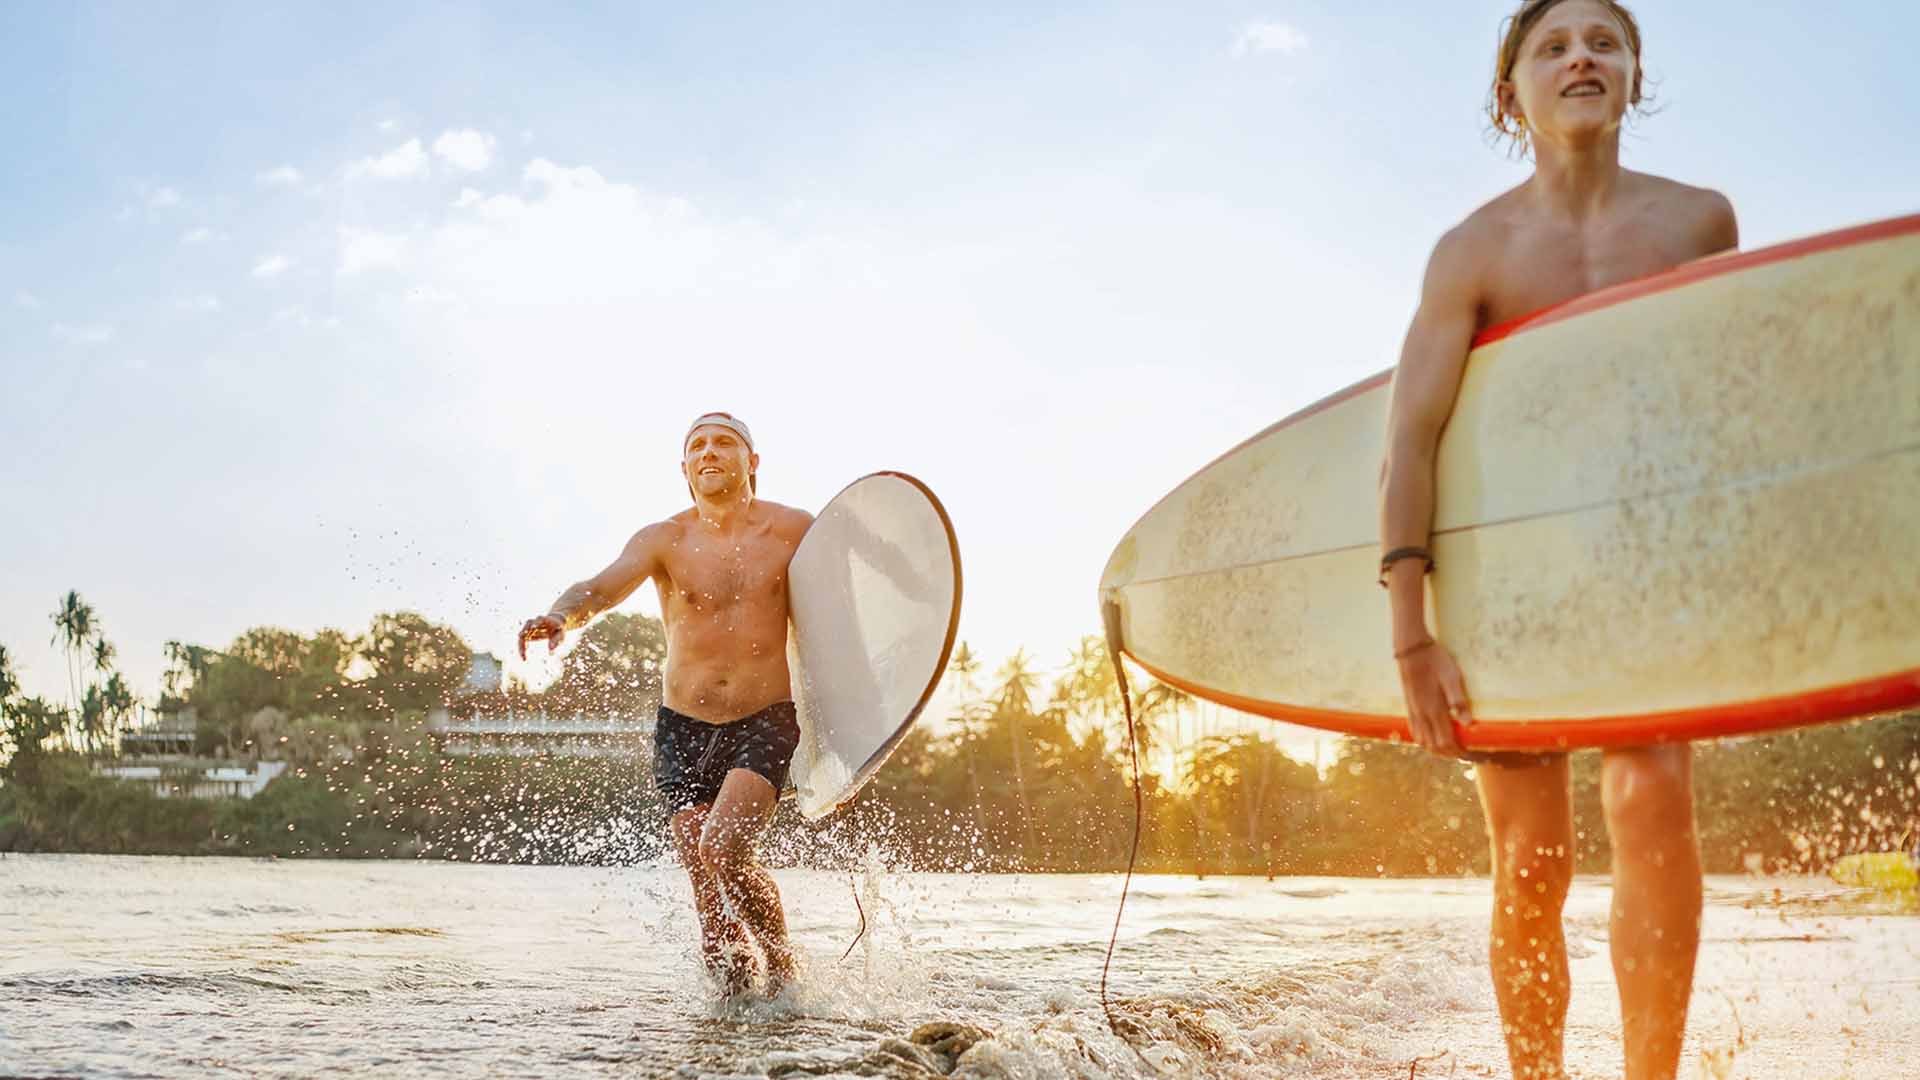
717, 461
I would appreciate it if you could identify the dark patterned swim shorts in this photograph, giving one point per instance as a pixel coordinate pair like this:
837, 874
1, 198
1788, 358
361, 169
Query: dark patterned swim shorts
691, 758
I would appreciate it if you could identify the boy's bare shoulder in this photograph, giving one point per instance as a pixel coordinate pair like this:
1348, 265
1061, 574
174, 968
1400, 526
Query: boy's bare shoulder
1674, 193
1705, 215
1464, 252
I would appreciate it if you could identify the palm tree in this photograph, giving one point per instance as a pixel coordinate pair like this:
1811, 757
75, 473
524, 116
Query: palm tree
9, 682
75, 626
964, 668
93, 718
1014, 702
1090, 689
117, 702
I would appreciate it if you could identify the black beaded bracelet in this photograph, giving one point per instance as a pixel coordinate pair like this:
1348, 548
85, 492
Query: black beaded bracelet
1394, 556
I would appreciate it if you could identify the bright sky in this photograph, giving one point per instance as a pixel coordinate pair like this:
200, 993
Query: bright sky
312, 311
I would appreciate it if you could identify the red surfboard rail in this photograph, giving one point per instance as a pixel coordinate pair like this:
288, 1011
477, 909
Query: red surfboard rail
1887, 694
1710, 267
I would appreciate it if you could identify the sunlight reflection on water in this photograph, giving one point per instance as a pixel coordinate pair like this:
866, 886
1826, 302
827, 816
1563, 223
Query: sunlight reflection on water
180, 967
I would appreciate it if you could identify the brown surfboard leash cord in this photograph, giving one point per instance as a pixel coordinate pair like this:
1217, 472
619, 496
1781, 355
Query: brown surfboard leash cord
854, 885
1110, 615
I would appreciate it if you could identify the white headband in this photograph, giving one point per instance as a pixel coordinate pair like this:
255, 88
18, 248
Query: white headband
718, 419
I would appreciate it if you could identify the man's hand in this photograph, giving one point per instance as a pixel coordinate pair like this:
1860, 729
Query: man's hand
1436, 696
548, 627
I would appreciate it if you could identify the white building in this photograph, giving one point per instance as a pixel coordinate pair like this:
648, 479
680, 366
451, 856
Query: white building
187, 779
160, 756
532, 734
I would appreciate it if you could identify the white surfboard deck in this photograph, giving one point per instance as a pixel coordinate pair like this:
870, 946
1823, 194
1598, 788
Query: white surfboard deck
874, 590
1682, 507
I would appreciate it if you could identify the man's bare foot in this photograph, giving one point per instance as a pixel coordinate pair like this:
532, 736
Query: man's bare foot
783, 967
735, 967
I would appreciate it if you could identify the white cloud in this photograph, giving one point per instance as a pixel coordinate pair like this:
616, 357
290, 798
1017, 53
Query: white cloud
162, 198
1261, 37
465, 149
194, 237
26, 300
364, 249
280, 176
430, 294
204, 304
615, 240
295, 315
387, 125
271, 266
402, 162
86, 334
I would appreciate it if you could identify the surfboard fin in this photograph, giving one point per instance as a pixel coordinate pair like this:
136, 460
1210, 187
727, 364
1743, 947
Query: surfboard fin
1110, 620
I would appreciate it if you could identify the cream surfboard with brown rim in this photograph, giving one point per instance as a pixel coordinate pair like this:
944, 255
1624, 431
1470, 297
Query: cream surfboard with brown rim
874, 591
1685, 506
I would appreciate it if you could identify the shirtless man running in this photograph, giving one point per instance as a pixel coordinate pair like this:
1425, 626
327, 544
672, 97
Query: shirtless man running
727, 727
1567, 73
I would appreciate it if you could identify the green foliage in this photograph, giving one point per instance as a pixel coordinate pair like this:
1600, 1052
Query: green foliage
53, 802
1029, 772
1252, 802
616, 667
416, 663
31, 725
9, 682
1396, 809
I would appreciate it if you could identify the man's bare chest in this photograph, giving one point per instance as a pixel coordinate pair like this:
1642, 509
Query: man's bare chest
710, 574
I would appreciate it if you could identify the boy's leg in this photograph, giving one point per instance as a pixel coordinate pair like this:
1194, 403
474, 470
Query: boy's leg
1656, 900
1529, 810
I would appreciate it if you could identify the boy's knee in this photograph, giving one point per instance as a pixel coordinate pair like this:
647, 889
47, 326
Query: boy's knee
1529, 865
1646, 800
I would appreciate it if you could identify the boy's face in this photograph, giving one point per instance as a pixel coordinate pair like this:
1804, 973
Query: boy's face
1574, 73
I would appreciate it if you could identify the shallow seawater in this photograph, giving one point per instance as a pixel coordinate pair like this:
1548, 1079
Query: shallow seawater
141, 967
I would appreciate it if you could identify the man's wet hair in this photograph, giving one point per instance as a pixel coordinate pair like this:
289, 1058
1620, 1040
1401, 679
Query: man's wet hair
1513, 34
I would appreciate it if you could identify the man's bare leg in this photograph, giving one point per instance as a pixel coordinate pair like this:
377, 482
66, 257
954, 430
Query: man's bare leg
1529, 810
1656, 900
740, 813
724, 942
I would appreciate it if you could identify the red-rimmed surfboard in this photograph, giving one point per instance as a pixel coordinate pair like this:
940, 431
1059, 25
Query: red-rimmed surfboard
1682, 507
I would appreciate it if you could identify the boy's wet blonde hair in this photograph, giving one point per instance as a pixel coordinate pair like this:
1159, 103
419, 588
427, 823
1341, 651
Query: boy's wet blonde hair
1513, 34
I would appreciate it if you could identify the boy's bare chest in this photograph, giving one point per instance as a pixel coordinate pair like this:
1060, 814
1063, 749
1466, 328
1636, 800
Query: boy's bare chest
1538, 268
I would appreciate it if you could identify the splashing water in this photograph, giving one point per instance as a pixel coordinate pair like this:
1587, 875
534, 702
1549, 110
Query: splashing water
176, 967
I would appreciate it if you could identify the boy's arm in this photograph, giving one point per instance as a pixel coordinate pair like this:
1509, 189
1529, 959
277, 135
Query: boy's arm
1432, 362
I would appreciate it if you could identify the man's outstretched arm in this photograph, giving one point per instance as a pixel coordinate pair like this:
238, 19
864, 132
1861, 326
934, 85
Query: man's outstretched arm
640, 560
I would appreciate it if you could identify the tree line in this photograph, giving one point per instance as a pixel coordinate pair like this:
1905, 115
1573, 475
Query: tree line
1031, 771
